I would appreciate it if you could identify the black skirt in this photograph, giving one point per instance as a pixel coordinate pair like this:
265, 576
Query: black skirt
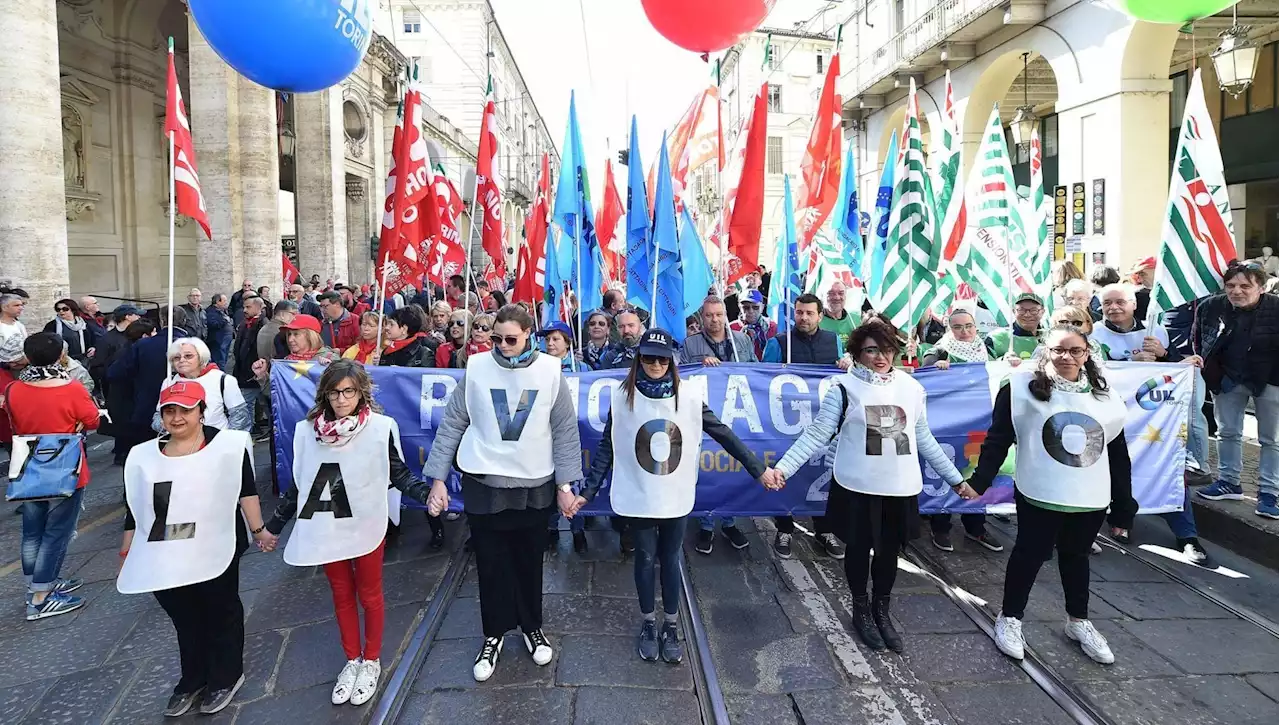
898, 516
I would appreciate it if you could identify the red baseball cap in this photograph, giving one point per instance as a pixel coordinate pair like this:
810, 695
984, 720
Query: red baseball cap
183, 394
303, 322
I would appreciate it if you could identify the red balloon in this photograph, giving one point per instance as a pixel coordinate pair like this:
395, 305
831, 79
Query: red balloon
706, 25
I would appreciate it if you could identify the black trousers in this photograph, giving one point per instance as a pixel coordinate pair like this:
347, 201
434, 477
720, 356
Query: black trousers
787, 524
1040, 531
658, 542
509, 563
882, 523
209, 619
974, 524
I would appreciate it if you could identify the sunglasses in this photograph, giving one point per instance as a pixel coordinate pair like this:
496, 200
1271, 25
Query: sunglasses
457, 323
509, 340
653, 359
62, 309
482, 328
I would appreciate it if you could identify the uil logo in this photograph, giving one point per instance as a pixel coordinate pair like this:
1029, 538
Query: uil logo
355, 18
1154, 392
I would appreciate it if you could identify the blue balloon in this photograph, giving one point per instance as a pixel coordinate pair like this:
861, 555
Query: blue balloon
299, 46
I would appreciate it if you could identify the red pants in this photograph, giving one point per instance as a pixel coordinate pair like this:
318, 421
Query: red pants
360, 577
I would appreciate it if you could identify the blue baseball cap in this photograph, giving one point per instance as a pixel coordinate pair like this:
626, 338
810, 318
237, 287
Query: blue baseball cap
658, 343
556, 326
753, 297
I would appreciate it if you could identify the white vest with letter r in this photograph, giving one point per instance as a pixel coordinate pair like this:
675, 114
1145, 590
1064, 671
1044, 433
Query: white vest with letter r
510, 411
656, 448
876, 450
1062, 444
342, 493
185, 510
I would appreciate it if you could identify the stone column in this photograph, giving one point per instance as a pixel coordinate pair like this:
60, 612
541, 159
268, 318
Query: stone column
322, 203
260, 186
213, 110
33, 224
359, 201
145, 221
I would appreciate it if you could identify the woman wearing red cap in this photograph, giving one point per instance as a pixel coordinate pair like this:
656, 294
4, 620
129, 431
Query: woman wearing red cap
302, 335
193, 518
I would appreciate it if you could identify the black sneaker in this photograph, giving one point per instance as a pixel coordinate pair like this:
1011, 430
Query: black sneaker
487, 660
180, 703
217, 700
831, 546
782, 545
706, 541
985, 541
736, 538
1121, 535
553, 539
437, 539
626, 543
580, 542
649, 641
942, 540
672, 650
1195, 552
1192, 477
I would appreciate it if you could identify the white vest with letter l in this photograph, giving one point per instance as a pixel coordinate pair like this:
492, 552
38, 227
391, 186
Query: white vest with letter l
656, 448
342, 493
185, 510
876, 450
1062, 444
510, 411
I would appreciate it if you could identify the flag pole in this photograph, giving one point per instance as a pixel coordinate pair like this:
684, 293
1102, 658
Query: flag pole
577, 241
382, 303
466, 278
168, 364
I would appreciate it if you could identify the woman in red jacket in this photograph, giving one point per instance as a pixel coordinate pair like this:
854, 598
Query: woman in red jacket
45, 400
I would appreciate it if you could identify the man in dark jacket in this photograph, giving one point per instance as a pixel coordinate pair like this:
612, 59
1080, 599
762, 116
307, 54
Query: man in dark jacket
110, 345
245, 352
237, 301
145, 365
1236, 344
219, 330
338, 328
195, 313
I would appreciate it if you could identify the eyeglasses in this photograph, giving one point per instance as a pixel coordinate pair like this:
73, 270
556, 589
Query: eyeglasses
1075, 352
509, 340
872, 352
457, 323
598, 323
653, 360
482, 328
347, 393
62, 309
964, 328
185, 356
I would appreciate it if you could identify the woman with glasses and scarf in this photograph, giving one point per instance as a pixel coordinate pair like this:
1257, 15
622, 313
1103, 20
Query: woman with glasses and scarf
455, 339
877, 416
512, 427
346, 455
599, 329
69, 324
653, 485
225, 406
1073, 463
481, 341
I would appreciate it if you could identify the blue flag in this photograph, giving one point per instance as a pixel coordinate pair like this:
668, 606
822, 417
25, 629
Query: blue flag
884, 197
554, 283
847, 220
698, 276
574, 214
785, 285
669, 312
639, 259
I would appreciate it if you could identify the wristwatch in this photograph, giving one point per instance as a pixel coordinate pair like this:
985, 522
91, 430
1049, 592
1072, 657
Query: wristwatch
565, 488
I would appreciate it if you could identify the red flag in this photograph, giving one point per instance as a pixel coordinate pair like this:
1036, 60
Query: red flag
405, 220
820, 168
488, 188
531, 264
746, 212
291, 273
446, 257
612, 246
186, 183
695, 141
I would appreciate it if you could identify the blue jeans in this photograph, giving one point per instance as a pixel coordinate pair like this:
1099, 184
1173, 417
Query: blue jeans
658, 541
47, 527
1229, 409
708, 523
1182, 523
1198, 424
251, 395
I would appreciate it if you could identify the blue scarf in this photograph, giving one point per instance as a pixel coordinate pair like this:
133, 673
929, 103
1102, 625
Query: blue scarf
655, 389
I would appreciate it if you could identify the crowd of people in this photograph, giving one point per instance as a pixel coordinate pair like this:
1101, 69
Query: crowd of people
185, 412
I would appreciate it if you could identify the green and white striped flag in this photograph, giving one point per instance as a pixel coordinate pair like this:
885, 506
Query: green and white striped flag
911, 262
1035, 220
1198, 239
948, 184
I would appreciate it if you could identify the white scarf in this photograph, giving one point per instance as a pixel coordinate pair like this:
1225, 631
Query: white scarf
78, 326
1081, 385
974, 350
867, 375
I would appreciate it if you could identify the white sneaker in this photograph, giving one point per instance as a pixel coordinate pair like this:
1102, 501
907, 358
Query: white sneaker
366, 682
1009, 636
1091, 641
346, 682
1095, 548
487, 660
539, 646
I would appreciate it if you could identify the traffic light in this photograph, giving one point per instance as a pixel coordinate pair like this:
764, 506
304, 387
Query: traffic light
624, 156
373, 247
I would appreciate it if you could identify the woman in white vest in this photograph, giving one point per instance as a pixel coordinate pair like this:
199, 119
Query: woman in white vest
346, 454
1073, 463
653, 443
877, 415
191, 493
512, 427
225, 407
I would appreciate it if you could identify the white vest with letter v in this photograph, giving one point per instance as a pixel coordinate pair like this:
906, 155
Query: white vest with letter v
185, 511
876, 450
656, 448
342, 493
510, 411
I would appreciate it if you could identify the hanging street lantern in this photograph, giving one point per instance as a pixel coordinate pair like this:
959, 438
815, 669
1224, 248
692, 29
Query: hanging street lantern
1024, 120
1236, 60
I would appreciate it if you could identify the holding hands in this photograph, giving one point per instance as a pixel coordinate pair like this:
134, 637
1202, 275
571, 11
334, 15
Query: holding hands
438, 499
965, 491
773, 479
266, 540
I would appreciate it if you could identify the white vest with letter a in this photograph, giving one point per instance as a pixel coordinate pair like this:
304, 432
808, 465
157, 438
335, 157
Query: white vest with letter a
876, 449
185, 510
656, 448
1062, 444
510, 411
342, 493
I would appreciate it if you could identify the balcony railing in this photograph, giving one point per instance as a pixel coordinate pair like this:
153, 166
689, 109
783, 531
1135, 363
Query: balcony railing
934, 26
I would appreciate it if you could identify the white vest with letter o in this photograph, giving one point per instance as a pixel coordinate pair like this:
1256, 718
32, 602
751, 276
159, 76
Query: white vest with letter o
342, 493
656, 448
185, 510
510, 410
876, 450
1062, 444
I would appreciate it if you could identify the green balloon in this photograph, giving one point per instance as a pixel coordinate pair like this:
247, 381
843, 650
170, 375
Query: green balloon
1173, 12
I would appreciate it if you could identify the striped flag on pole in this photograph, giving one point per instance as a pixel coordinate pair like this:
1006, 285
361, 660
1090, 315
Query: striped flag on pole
952, 215
1036, 220
1199, 239
187, 195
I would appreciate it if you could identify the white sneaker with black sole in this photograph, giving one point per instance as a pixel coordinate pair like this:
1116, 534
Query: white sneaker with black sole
1009, 639
487, 660
539, 646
